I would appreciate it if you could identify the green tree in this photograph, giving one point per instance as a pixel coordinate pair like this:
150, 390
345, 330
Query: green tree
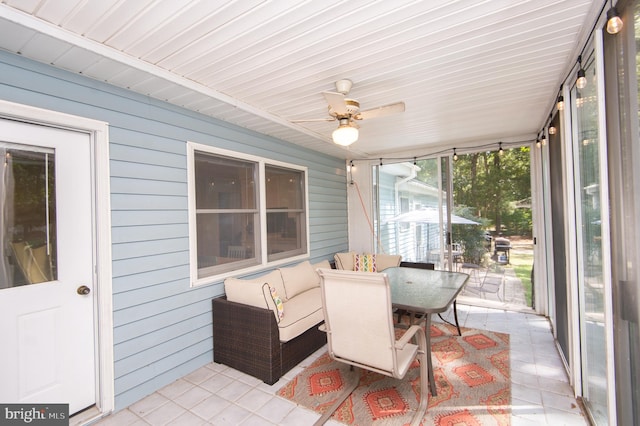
491, 183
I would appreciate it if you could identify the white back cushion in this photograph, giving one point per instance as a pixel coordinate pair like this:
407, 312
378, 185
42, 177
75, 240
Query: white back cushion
299, 278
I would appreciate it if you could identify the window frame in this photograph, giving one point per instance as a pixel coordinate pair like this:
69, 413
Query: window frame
262, 259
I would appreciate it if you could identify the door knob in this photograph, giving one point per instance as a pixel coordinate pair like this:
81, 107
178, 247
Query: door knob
83, 290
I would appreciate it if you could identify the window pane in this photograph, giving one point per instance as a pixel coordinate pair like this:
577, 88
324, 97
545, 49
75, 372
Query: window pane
27, 221
284, 188
226, 213
225, 238
286, 235
224, 183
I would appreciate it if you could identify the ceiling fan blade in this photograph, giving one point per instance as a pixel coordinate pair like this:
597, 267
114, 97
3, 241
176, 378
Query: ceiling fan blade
336, 102
312, 120
381, 111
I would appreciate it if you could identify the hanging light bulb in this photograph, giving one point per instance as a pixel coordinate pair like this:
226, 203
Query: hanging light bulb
500, 150
560, 104
581, 81
455, 156
614, 22
552, 129
538, 143
543, 140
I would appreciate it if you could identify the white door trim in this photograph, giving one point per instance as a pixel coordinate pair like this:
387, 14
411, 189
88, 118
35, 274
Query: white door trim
99, 133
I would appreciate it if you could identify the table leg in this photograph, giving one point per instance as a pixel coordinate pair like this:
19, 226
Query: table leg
455, 316
432, 382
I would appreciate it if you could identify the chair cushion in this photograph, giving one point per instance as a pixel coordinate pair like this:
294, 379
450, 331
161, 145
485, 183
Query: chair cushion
302, 312
321, 265
365, 263
251, 292
299, 278
344, 261
384, 261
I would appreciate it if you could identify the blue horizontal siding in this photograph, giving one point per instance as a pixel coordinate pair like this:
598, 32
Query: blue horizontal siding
134, 364
147, 279
153, 172
149, 248
148, 341
162, 326
151, 232
157, 217
147, 202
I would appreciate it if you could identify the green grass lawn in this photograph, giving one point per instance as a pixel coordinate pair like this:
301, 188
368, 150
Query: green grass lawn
522, 263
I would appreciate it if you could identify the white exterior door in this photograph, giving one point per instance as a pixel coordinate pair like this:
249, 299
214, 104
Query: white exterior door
47, 256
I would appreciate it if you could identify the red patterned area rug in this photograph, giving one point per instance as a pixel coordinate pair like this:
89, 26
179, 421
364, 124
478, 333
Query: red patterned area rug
471, 374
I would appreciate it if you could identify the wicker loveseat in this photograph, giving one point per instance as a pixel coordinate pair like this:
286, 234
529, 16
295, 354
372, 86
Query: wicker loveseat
265, 326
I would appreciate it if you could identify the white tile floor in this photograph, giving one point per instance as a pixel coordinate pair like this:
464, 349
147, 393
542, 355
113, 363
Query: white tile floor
218, 395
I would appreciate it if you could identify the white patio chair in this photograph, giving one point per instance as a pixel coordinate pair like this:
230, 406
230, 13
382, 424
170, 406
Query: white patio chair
492, 283
360, 331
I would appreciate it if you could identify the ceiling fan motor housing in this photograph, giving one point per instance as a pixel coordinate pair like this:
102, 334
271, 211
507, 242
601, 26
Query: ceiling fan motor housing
353, 106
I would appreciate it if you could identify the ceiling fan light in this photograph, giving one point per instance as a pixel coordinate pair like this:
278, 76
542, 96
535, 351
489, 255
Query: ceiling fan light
345, 135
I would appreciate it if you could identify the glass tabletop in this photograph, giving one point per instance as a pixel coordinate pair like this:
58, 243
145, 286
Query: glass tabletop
424, 290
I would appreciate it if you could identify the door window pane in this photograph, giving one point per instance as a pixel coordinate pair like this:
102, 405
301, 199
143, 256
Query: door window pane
28, 214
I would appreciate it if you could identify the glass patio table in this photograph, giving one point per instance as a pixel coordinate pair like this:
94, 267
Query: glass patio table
426, 292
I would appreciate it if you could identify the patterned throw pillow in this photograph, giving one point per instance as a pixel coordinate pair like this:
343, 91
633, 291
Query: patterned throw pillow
365, 263
278, 302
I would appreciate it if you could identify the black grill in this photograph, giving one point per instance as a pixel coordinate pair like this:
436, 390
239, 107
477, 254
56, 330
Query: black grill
501, 249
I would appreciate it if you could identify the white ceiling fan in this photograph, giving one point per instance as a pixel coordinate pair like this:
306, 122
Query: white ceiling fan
347, 112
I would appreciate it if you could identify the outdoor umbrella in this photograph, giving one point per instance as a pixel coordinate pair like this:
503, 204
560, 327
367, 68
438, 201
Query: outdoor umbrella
430, 216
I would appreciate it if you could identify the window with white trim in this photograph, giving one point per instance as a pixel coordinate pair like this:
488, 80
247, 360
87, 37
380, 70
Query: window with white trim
246, 211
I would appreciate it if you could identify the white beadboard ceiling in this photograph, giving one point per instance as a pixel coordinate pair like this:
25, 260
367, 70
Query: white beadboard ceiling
470, 72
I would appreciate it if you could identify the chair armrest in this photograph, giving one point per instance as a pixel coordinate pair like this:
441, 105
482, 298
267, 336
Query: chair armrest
407, 336
247, 339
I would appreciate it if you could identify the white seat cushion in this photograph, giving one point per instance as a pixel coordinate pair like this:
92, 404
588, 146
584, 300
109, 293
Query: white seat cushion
301, 313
